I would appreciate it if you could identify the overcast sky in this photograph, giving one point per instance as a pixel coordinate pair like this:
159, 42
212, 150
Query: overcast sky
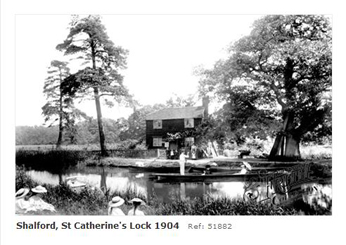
163, 52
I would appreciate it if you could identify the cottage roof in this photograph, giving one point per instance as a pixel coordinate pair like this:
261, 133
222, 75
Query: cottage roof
177, 113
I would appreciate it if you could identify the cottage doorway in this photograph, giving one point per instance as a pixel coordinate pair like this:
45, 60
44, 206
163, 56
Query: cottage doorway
173, 150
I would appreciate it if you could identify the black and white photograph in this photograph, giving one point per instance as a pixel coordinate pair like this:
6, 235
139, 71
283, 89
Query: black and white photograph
166, 115
203, 122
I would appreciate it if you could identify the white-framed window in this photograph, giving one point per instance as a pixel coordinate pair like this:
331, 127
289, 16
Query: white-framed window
157, 141
157, 124
188, 122
189, 141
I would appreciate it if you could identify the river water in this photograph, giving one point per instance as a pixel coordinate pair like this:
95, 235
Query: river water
121, 179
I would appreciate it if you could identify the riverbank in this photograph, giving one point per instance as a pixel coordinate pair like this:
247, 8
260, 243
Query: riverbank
318, 169
232, 163
220, 161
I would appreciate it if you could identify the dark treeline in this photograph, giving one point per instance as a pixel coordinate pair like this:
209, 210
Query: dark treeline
85, 132
36, 135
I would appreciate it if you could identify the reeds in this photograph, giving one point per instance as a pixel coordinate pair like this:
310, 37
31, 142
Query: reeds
219, 206
52, 160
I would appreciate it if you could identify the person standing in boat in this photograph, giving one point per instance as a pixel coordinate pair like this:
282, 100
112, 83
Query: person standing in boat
194, 151
136, 202
114, 206
182, 161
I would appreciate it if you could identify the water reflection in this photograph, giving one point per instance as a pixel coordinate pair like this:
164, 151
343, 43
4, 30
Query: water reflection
122, 179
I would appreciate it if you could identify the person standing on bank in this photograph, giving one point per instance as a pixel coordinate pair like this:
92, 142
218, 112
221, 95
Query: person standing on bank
114, 206
182, 162
136, 202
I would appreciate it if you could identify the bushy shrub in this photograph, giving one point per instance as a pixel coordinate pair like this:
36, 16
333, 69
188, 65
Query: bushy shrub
141, 147
230, 146
316, 152
230, 153
127, 144
23, 180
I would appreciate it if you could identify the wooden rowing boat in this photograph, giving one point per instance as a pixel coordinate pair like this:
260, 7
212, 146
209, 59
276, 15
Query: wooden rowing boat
233, 169
197, 177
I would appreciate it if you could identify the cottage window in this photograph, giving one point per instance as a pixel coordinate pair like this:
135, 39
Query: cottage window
157, 141
189, 123
157, 124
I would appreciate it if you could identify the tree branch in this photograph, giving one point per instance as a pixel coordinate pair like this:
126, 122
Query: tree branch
277, 93
106, 95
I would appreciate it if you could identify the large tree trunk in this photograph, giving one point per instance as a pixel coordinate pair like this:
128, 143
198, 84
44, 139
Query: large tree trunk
103, 182
58, 144
99, 122
292, 147
98, 105
286, 145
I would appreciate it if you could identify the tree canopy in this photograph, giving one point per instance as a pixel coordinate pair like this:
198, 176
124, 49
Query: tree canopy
287, 62
102, 60
59, 107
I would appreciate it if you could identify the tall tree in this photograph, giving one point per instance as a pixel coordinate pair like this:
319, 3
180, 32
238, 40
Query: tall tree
59, 107
88, 38
288, 59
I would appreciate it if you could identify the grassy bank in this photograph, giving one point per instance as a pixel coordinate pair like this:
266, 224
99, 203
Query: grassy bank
92, 202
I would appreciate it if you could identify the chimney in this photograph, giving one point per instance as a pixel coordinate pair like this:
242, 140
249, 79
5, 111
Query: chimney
205, 104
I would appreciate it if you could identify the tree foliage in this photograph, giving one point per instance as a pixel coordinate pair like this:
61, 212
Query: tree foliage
85, 133
102, 60
59, 107
36, 135
179, 101
57, 72
244, 116
288, 61
136, 124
